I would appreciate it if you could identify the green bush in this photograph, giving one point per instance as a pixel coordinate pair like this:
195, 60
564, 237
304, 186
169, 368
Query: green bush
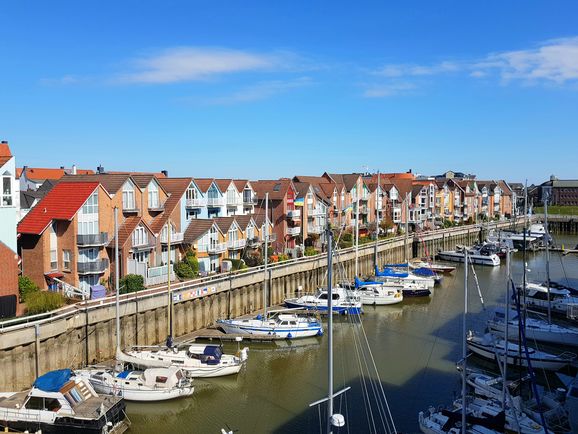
131, 283
184, 270
26, 287
236, 264
192, 261
43, 301
310, 251
347, 237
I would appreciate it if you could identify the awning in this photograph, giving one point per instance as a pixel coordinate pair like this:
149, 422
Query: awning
56, 274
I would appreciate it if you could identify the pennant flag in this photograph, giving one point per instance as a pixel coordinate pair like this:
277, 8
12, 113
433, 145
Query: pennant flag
300, 201
348, 208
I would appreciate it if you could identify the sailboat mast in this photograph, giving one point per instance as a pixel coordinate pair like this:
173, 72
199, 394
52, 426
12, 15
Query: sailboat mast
547, 235
169, 292
507, 326
406, 234
116, 287
464, 343
329, 327
377, 210
266, 256
356, 229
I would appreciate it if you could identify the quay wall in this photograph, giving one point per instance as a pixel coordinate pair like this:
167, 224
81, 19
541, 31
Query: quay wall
558, 223
85, 333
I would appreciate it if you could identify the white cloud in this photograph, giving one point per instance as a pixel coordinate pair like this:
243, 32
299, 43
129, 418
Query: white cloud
388, 89
260, 91
554, 61
404, 70
192, 63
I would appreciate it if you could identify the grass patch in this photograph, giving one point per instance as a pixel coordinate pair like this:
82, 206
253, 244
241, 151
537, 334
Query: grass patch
555, 209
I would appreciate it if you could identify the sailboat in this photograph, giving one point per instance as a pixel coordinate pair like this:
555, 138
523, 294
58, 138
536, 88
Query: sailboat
153, 384
197, 360
287, 324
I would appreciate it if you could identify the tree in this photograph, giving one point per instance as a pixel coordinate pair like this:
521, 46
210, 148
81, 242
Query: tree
26, 286
131, 283
192, 261
184, 270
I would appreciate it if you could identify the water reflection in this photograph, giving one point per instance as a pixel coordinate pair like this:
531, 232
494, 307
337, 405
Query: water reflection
415, 344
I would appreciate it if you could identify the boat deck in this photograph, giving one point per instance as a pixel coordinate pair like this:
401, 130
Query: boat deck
15, 401
214, 334
90, 409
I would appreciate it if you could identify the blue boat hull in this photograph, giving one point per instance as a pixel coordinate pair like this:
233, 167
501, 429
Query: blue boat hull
336, 309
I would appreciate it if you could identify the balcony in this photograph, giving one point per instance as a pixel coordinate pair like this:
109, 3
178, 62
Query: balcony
315, 229
216, 248
234, 201
294, 231
294, 214
94, 267
131, 209
236, 244
363, 209
196, 203
92, 239
176, 238
254, 242
215, 201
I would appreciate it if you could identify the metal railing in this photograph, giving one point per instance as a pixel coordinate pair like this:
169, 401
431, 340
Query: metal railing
294, 231
196, 203
98, 266
215, 201
236, 244
216, 248
92, 239
234, 201
176, 237
315, 229
294, 214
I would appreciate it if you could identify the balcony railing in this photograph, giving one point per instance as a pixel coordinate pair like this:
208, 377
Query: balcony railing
157, 207
294, 231
196, 203
215, 201
234, 201
92, 239
217, 248
131, 209
93, 267
315, 229
176, 237
294, 214
236, 244
248, 200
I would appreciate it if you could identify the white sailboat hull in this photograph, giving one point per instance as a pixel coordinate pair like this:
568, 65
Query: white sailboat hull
263, 328
453, 256
544, 333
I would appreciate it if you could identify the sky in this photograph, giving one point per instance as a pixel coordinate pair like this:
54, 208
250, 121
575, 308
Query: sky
269, 89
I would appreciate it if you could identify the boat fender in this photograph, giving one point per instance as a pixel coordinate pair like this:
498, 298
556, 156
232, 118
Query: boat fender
243, 354
289, 335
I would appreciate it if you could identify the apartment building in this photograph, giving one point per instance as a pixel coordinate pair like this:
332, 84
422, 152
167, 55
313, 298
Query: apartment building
283, 214
9, 209
209, 242
31, 178
312, 200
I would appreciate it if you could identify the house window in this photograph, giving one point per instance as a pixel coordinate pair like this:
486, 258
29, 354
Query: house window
128, 200
191, 193
250, 232
53, 246
66, 259
247, 196
192, 214
153, 195
91, 204
139, 236
87, 255
6, 191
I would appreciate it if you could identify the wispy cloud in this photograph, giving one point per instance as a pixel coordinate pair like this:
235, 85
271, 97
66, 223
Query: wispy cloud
388, 89
260, 91
64, 80
183, 64
552, 62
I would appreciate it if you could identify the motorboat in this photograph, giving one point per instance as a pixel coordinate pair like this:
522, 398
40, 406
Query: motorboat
62, 403
449, 421
516, 420
482, 255
407, 288
343, 301
150, 385
491, 347
537, 296
197, 360
378, 293
434, 266
536, 329
284, 324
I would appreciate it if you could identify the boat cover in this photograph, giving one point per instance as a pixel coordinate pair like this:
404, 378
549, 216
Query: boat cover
53, 381
123, 374
425, 272
396, 265
388, 272
359, 282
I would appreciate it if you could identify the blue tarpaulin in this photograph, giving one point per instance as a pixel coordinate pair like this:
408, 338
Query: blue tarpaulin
123, 374
97, 291
53, 381
423, 271
388, 272
359, 282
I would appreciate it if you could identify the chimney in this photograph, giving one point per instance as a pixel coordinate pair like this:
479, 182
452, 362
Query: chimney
553, 178
4, 142
74, 169
100, 169
165, 172
62, 167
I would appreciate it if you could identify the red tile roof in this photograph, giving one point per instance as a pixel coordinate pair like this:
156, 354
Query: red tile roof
5, 153
126, 229
40, 174
176, 188
277, 189
223, 184
61, 203
203, 183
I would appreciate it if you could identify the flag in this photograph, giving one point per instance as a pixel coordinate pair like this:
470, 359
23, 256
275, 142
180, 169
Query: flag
348, 208
300, 201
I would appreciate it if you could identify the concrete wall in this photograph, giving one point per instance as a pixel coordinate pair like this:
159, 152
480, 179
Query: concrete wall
85, 333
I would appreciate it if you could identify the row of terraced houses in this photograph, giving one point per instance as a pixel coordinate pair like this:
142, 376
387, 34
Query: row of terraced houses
65, 234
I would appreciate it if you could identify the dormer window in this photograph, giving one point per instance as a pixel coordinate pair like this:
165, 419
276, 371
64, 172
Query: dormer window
139, 236
128, 199
153, 195
191, 192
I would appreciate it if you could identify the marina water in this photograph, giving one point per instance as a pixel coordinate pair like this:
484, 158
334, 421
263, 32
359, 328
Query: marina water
415, 344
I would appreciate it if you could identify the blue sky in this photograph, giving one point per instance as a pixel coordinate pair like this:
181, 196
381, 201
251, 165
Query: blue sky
259, 89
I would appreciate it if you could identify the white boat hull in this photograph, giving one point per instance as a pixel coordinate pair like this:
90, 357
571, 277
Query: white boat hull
551, 334
261, 328
492, 260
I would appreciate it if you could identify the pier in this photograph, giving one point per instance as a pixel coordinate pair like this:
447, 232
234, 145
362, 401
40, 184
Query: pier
84, 333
